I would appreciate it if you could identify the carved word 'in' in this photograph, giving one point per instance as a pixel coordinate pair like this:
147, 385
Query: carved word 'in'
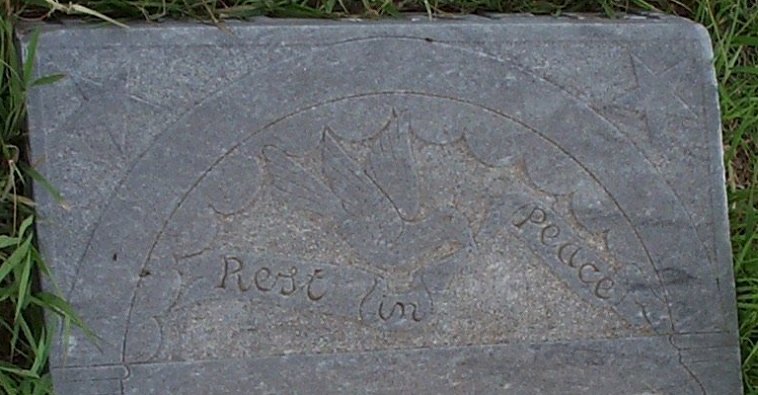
565, 249
398, 310
383, 307
263, 279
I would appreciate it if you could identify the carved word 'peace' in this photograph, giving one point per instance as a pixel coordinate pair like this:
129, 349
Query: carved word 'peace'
566, 249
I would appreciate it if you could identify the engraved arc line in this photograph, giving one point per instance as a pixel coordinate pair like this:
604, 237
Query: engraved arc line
194, 185
247, 74
673, 190
179, 117
218, 93
648, 162
578, 99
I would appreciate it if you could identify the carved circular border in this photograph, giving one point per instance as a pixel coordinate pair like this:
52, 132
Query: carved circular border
509, 63
230, 151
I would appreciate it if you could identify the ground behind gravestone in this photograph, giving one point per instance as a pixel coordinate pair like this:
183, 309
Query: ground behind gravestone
24, 343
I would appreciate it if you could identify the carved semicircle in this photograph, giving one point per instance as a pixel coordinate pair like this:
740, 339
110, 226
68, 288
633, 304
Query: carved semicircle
642, 303
545, 125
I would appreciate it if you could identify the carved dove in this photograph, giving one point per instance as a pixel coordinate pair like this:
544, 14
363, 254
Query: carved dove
375, 207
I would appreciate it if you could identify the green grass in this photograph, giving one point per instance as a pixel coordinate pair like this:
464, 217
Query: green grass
24, 343
24, 340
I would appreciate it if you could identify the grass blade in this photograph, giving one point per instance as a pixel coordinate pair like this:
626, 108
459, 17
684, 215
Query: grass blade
48, 79
15, 259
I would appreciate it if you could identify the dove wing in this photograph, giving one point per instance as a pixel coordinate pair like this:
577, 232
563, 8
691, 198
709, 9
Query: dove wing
392, 167
371, 211
297, 186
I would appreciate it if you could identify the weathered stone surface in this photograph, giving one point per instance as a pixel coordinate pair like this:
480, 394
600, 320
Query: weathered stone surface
485, 205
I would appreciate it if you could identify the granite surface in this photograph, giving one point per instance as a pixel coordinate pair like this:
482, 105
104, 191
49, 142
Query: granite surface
477, 205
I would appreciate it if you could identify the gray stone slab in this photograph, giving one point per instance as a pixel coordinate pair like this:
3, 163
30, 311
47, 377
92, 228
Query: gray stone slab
479, 205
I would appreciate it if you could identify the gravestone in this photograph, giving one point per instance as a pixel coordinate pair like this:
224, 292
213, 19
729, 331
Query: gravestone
477, 205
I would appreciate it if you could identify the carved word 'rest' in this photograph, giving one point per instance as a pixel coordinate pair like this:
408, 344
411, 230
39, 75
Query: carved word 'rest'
554, 236
235, 273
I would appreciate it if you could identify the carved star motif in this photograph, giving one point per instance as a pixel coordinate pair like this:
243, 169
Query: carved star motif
102, 97
112, 87
655, 99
